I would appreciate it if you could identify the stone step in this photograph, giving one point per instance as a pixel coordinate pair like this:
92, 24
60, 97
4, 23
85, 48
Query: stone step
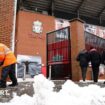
58, 84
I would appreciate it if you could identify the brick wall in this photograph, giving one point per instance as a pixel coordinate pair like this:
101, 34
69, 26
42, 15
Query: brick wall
29, 42
6, 21
77, 44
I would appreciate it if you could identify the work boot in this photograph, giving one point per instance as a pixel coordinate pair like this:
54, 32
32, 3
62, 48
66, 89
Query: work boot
13, 84
3, 84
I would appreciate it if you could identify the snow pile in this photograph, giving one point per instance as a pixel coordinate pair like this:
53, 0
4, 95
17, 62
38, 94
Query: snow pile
88, 95
70, 94
43, 90
23, 100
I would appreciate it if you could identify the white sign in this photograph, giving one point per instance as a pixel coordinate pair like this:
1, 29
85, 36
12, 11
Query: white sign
61, 23
37, 27
96, 30
22, 58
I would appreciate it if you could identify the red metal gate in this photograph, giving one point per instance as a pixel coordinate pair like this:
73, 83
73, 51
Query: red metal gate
59, 54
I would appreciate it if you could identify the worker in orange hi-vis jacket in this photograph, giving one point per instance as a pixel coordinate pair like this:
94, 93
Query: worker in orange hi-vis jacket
7, 63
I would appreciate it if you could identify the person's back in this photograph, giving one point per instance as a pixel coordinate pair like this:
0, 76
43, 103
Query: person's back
103, 60
83, 58
103, 57
95, 57
7, 55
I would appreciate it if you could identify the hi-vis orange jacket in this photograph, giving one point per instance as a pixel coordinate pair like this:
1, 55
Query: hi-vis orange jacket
6, 55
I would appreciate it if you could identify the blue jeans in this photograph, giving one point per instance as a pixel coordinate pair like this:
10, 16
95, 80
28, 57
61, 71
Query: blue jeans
8, 70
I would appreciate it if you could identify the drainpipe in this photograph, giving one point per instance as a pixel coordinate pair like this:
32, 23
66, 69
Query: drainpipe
14, 26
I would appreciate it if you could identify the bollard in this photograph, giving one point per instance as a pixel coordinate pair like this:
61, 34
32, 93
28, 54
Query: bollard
49, 72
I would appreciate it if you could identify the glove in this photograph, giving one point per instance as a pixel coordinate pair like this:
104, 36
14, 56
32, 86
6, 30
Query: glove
1, 63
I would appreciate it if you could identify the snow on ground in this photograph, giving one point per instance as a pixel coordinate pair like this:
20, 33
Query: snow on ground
70, 94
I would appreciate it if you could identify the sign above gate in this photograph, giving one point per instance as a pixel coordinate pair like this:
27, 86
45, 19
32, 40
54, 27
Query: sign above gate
96, 30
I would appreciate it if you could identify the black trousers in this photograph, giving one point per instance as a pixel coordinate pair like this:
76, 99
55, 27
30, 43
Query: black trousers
8, 70
95, 73
83, 71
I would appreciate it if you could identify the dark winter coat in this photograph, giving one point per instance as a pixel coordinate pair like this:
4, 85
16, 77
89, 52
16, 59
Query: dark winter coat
95, 58
103, 58
83, 58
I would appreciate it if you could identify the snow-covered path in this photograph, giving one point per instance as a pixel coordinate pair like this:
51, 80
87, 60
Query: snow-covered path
70, 94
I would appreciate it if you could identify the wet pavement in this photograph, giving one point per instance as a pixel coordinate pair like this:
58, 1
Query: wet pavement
23, 88
100, 84
58, 84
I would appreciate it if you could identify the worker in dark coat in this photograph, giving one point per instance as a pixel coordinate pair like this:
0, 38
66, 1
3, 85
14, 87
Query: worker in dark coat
103, 59
95, 59
83, 58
